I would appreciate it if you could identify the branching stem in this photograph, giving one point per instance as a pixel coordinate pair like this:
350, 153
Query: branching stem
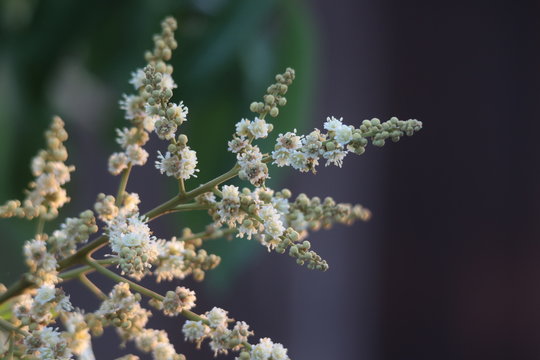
123, 183
88, 249
91, 286
190, 315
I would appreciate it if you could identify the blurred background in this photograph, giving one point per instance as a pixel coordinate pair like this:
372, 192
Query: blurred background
449, 266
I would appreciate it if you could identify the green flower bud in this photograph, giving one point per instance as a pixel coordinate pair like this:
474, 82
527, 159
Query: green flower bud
274, 112
182, 139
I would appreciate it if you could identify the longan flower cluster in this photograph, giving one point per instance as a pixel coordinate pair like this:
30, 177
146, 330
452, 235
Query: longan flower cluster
179, 161
178, 258
154, 84
215, 327
249, 157
45, 194
41, 263
107, 209
304, 152
313, 214
275, 95
279, 224
47, 344
33, 312
132, 242
157, 343
123, 310
77, 333
177, 301
73, 232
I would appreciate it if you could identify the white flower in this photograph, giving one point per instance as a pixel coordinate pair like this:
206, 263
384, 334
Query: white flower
45, 294
251, 155
333, 124
136, 155
335, 157
123, 137
47, 184
38, 165
248, 228
48, 344
230, 192
80, 340
149, 122
148, 339
282, 156
194, 330
132, 232
188, 163
289, 141
117, 163
179, 112
181, 166
272, 222
132, 240
242, 127
130, 227
274, 228
229, 206
259, 128
105, 207
137, 79
164, 351
217, 317
343, 135
168, 163
237, 144
281, 205
267, 212
279, 352
170, 263
299, 161
60, 171
167, 82
130, 104
176, 301
130, 204
263, 350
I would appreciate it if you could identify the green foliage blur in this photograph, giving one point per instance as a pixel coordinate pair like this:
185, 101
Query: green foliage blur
229, 52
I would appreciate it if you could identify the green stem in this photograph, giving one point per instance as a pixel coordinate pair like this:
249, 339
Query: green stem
75, 273
40, 225
78, 257
6, 325
179, 199
181, 187
118, 278
138, 288
16, 288
92, 287
186, 207
123, 184
205, 235
101, 241
11, 345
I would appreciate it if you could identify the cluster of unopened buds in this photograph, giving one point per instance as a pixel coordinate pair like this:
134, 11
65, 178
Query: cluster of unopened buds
38, 321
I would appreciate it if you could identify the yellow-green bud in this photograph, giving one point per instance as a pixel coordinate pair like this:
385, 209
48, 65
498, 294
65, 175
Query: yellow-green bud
182, 139
274, 112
